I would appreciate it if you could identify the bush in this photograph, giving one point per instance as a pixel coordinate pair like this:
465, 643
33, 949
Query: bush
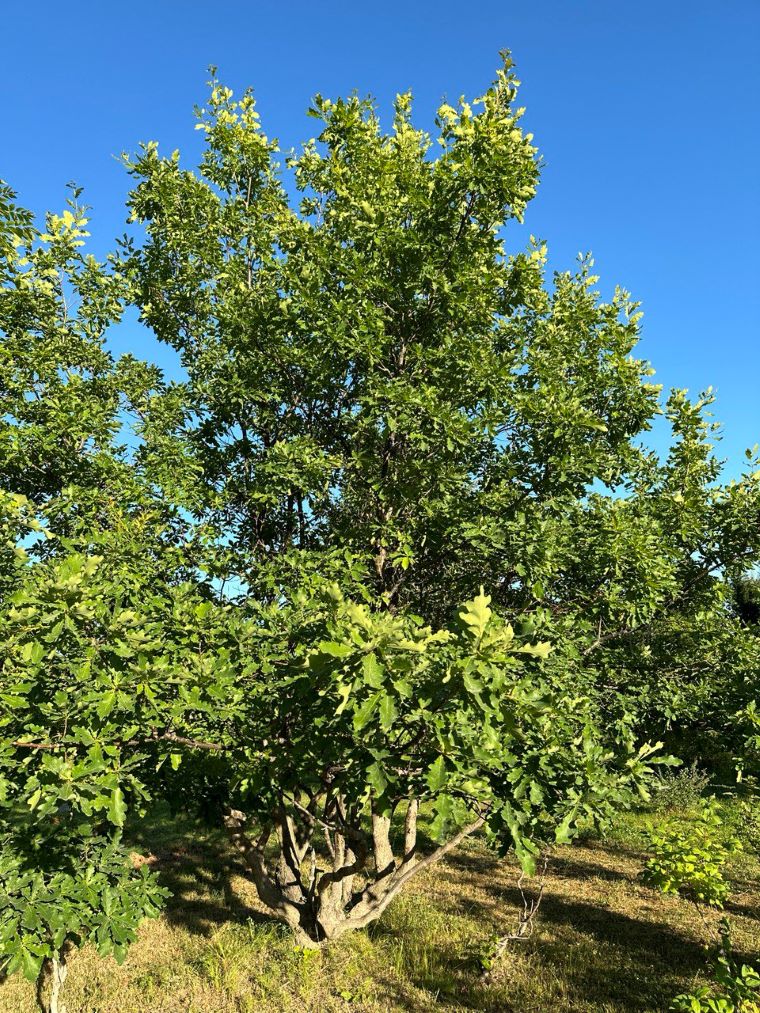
689, 855
680, 789
748, 813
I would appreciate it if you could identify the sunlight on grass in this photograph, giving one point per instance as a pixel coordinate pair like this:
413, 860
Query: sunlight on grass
604, 942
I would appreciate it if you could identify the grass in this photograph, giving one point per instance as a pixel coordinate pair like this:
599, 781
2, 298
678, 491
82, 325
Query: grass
603, 942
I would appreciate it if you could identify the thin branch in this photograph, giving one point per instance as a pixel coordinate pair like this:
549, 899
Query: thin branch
526, 921
180, 740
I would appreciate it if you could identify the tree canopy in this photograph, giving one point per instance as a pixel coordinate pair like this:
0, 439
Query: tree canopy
394, 537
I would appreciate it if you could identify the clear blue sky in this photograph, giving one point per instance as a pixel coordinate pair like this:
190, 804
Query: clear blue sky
646, 113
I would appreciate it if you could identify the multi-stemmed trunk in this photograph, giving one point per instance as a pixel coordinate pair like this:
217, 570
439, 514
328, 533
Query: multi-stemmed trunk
348, 885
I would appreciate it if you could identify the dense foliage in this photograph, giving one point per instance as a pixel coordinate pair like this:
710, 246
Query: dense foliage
391, 539
688, 855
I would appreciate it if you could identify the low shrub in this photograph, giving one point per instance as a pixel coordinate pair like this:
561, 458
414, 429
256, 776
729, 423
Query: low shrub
688, 855
744, 817
680, 788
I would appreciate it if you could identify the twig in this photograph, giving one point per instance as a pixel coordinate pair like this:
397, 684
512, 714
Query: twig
525, 924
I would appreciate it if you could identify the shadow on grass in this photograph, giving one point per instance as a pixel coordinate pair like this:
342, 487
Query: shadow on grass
194, 863
606, 959
745, 900
618, 962
572, 868
751, 911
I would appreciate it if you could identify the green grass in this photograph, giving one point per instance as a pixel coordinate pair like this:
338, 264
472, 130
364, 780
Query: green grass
603, 941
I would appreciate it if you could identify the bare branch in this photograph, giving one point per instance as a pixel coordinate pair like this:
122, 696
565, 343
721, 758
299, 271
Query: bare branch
525, 923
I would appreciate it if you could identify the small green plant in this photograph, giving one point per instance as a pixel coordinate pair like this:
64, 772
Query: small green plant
738, 984
679, 789
742, 816
44, 915
689, 855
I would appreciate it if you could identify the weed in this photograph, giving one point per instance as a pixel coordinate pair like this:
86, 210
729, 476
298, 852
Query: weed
736, 986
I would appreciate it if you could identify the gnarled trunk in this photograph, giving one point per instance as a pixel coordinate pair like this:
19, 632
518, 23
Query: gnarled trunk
315, 894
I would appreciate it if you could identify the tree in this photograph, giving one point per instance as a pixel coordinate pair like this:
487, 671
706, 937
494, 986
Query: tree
379, 396
384, 415
82, 650
373, 372
65, 877
82, 542
378, 401
369, 714
745, 598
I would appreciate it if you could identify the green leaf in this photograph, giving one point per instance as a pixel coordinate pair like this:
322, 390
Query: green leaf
476, 614
436, 776
334, 649
30, 964
541, 650
344, 690
106, 705
562, 834
33, 652
471, 684
388, 712
365, 712
376, 779
526, 853
372, 670
117, 810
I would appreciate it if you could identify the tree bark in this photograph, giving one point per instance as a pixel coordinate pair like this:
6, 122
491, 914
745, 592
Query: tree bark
328, 906
59, 972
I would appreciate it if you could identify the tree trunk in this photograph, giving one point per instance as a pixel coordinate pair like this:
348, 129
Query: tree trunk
57, 969
60, 970
322, 906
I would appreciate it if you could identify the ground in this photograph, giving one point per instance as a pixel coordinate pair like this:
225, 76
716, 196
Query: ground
603, 942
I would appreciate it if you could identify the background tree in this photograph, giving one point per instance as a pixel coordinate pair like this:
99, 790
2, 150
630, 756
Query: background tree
745, 598
77, 663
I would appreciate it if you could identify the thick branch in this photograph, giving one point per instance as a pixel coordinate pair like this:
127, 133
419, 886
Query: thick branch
406, 871
377, 895
410, 830
253, 855
339, 873
289, 872
385, 863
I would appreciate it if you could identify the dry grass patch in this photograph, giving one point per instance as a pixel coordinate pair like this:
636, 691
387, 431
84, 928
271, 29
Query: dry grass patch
603, 941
